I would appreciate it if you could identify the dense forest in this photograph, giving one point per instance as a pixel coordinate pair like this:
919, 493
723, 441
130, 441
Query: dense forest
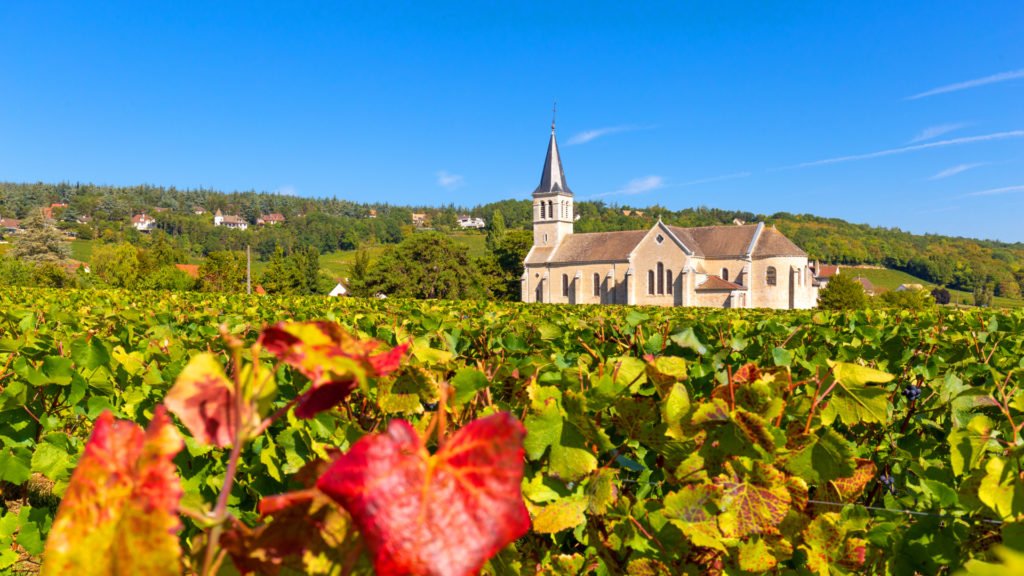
329, 224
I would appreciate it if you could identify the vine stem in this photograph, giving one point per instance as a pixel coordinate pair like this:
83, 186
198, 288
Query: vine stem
220, 512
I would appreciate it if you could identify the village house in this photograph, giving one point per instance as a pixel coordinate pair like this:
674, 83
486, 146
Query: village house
466, 221
143, 222
10, 225
419, 219
270, 219
736, 266
229, 221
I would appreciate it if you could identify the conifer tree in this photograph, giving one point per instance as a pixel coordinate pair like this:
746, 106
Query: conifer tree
40, 241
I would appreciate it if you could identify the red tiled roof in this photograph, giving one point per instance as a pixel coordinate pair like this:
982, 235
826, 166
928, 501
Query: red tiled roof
190, 269
827, 271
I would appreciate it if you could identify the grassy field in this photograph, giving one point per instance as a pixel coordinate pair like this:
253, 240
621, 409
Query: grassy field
82, 250
886, 279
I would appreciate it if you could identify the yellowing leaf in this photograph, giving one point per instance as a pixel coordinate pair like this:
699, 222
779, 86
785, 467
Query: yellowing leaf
1001, 490
559, 516
754, 503
120, 513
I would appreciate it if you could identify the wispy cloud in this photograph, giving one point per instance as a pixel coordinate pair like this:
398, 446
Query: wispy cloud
914, 148
933, 132
448, 180
713, 179
641, 185
591, 135
939, 210
954, 170
997, 191
1001, 77
650, 183
287, 190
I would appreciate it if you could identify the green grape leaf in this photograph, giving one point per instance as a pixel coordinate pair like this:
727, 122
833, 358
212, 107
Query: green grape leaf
853, 400
967, 446
569, 458
825, 456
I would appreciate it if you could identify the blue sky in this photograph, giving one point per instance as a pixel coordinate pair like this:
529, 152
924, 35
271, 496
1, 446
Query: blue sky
901, 114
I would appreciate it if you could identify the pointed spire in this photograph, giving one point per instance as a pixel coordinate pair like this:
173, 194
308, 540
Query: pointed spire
552, 179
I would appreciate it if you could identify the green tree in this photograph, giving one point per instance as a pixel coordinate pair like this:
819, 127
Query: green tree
941, 295
842, 293
910, 299
496, 230
426, 265
39, 242
509, 253
116, 265
360, 273
168, 278
223, 271
278, 277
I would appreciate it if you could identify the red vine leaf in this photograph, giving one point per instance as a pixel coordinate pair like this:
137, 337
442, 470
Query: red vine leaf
120, 512
204, 399
441, 514
335, 361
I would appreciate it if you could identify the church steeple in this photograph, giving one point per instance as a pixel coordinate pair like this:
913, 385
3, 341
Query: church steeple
552, 179
552, 200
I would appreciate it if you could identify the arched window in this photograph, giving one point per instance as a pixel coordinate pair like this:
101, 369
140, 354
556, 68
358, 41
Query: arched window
551, 209
725, 273
668, 281
769, 276
543, 211
650, 282
540, 291
597, 284
661, 278
565, 285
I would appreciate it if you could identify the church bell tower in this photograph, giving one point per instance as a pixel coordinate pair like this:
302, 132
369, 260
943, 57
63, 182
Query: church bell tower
552, 200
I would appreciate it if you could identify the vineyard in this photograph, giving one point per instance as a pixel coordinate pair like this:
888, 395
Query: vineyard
657, 441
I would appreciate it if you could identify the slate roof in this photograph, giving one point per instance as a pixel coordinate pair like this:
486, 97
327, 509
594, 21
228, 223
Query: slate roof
716, 283
552, 179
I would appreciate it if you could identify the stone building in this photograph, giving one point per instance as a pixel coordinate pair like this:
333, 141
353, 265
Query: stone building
737, 266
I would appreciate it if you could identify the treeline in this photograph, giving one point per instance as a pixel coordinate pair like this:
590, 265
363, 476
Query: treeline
329, 224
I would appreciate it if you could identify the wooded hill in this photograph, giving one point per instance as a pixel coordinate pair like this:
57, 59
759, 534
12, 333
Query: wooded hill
330, 224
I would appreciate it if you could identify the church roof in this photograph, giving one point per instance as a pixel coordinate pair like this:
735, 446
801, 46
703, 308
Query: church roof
552, 179
716, 283
705, 241
774, 243
597, 246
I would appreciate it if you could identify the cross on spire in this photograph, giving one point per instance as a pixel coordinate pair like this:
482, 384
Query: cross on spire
554, 115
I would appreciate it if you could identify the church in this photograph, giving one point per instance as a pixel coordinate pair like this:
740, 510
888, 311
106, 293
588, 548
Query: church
739, 266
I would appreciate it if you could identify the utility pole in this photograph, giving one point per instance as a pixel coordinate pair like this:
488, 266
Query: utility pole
248, 270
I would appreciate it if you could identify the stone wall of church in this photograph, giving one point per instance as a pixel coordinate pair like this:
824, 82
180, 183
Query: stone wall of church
792, 287
659, 286
712, 298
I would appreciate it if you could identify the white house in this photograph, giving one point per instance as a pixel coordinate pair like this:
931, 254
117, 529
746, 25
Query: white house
230, 221
467, 222
339, 290
143, 222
